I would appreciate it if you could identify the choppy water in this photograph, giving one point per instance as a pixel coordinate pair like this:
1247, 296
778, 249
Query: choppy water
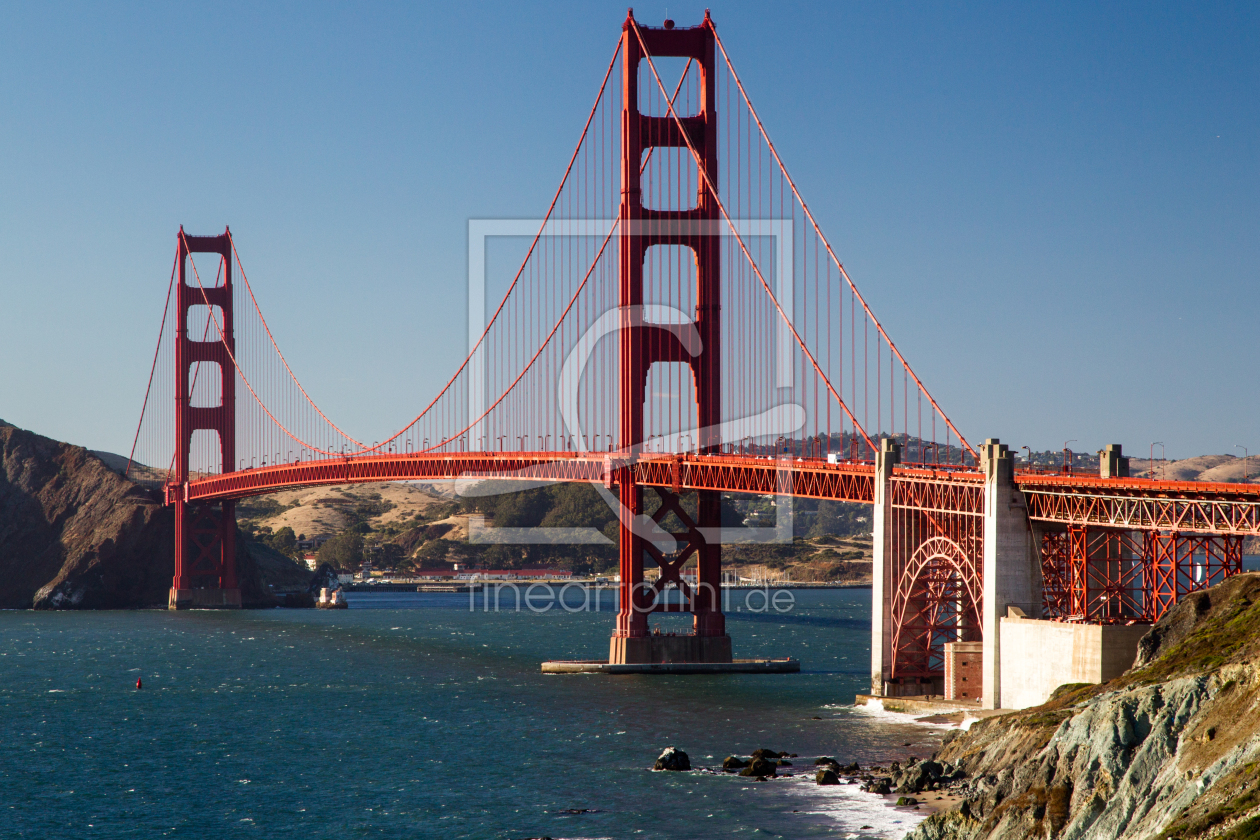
409, 716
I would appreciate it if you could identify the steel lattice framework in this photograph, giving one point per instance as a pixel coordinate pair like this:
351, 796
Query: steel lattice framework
1199, 507
1122, 550
937, 568
1111, 576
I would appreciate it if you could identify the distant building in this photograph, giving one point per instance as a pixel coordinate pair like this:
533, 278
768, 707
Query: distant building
311, 560
513, 574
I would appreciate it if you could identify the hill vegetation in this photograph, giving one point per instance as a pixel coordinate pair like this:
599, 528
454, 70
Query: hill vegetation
412, 528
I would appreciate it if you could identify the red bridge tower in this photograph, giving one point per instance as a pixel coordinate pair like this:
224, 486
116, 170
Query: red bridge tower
205, 538
644, 344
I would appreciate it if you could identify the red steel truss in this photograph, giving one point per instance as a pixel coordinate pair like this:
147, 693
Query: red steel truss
1124, 549
1110, 576
535, 466
937, 527
1183, 563
695, 599
810, 479
1106, 574
844, 482
1056, 574
1138, 504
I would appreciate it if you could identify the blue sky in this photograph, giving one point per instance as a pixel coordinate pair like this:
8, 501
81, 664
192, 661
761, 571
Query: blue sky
1055, 208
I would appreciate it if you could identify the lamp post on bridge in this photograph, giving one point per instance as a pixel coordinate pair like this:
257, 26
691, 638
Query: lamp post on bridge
1151, 462
1246, 455
1067, 453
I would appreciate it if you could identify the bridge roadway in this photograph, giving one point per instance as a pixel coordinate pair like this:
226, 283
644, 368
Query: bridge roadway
1184, 506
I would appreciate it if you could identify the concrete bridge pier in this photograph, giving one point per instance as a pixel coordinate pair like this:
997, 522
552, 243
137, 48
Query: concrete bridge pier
1012, 562
882, 583
1009, 570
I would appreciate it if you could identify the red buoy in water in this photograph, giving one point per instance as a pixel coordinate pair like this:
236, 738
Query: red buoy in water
138, 683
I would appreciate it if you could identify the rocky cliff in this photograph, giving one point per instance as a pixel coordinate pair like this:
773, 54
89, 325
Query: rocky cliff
1169, 750
74, 534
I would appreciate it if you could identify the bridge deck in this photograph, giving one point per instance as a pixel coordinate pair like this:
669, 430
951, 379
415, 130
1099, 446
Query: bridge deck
1069, 499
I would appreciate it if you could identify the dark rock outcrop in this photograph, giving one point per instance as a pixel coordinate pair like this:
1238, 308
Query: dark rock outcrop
770, 755
278, 572
75, 534
879, 785
759, 767
826, 776
924, 775
298, 600
732, 763
325, 577
673, 759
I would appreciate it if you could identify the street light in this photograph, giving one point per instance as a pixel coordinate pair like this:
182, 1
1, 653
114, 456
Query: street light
1029, 448
1151, 462
1245, 456
1067, 470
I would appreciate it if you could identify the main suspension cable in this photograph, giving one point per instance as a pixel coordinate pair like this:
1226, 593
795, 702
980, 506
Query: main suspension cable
743, 247
831, 253
166, 308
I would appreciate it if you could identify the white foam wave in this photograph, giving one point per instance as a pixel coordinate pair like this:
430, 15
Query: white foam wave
874, 708
861, 814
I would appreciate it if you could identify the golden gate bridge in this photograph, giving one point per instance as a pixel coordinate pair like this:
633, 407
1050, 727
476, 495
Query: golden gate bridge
680, 324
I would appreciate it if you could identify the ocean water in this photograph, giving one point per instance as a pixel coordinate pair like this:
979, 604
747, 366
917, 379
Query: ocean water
411, 716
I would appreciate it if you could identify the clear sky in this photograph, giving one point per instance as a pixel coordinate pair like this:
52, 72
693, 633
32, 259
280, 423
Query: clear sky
1054, 208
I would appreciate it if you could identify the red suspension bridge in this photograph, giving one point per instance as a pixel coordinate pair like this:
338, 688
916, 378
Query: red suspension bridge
680, 324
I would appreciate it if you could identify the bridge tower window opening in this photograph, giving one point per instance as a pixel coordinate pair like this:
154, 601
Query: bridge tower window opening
670, 421
671, 179
681, 76
205, 385
205, 453
205, 321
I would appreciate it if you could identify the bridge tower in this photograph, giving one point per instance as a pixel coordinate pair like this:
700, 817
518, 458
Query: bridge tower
644, 344
205, 538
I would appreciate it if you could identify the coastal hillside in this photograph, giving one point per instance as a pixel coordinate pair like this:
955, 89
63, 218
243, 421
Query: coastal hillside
411, 528
331, 510
1171, 749
1225, 468
74, 534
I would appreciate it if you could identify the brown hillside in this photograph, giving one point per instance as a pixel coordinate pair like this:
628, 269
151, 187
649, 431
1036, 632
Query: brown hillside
74, 534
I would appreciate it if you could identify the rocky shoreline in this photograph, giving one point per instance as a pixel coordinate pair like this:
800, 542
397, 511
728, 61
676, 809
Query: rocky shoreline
927, 784
1171, 749
1168, 751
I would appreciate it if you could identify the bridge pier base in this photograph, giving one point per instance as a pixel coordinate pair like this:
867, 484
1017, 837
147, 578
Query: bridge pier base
205, 599
1012, 562
646, 650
